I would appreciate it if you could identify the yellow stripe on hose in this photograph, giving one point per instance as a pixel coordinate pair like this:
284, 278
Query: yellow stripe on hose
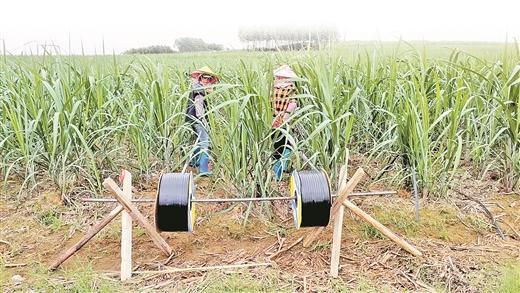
193, 213
299, 209
291, 186
314, 197
292, 192
295, 192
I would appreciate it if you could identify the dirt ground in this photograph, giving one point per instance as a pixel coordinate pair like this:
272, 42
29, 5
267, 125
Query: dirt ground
462, 249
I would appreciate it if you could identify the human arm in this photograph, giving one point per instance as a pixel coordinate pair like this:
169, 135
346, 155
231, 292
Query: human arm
290, 109
199, 106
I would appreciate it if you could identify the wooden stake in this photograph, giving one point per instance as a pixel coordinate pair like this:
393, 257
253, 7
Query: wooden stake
336, 243
137, 216
342, 195
286, 249
14, 265
198, 269
381, 228
126, 229
338, 227
90, 233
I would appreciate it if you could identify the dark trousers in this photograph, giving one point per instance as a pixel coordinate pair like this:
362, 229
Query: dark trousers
280, 143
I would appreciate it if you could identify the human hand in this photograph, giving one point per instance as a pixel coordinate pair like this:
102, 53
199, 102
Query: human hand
277, 122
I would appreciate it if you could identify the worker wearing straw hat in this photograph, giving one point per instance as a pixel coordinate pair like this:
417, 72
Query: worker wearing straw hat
202, 81
283, 104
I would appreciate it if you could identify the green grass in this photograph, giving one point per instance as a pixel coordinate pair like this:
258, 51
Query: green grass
272, 281
479, 224
509, 281
365, 285
51, 219
503, 279
433, 222
274, 228
242, 282
79, 279
369, 232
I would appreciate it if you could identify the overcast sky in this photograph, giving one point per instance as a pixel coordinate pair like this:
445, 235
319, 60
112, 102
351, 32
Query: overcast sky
128, 24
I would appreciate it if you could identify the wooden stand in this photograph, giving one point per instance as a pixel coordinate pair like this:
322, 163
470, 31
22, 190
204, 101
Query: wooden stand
342, 195
124, 198
337, 215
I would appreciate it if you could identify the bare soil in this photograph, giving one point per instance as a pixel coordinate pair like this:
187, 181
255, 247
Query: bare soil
462, 250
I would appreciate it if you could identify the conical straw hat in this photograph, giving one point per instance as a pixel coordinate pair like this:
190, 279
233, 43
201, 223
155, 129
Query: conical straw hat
284, 71
204, 70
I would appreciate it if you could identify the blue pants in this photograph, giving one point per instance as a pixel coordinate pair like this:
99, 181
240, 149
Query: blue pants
201, 155
281, 165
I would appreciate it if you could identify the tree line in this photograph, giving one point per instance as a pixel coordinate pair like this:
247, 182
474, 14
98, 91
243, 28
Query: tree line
254, 38
286, 38
181, 45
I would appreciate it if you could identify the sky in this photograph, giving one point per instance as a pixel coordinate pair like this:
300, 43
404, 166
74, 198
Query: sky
88, 26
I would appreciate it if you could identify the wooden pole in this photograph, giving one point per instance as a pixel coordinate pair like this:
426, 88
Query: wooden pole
285, 249
387, 232
126, 229
342, 195
336, 243
137, 216
338, 227
198, 269
91, 233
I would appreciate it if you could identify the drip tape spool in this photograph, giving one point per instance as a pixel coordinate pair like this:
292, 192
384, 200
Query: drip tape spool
312, 198
174, 209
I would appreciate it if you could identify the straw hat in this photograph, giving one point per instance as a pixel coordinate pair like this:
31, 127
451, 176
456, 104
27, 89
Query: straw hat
284, 71
204, 70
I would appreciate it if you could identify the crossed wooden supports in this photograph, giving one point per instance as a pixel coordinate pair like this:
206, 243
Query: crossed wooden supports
124, 199
131, 212
337, 211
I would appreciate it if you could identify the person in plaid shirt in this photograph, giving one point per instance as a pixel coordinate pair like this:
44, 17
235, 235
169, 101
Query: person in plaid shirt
283, 103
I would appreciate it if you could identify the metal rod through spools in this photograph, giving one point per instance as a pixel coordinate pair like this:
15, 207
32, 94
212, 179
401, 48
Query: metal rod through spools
237, 199
174, 204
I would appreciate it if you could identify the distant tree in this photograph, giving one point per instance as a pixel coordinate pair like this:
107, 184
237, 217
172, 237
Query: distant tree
215, 47
195, 45
286, 38
151, 50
